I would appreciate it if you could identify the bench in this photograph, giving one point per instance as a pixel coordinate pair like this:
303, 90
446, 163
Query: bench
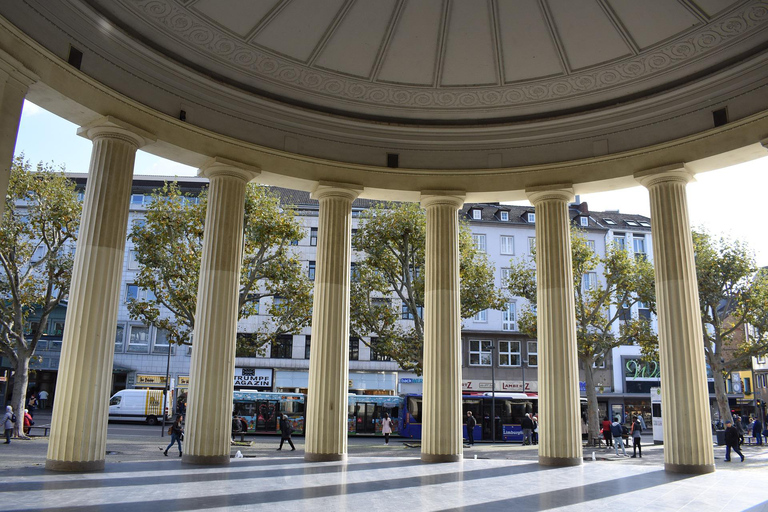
45, 428
750, 440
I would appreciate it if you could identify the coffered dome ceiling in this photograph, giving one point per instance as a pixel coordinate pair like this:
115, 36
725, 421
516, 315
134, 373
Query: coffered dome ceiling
448, 60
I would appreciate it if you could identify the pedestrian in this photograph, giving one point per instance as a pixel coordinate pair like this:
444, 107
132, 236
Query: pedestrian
637, 429
285, 430
237, 427
28, 421
386, 427
535, 433
32, 404
616, 433
8, 420
527, 426
471, 428
732, 441
607, 432
177, 434
43, 399
739, 428
757, 431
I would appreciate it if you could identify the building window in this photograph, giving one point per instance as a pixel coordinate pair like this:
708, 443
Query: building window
531, 217
375, 354
138, 223
480, 352
137, 199
354, 348
481, 316
509, 317
638, 244
477, 214
307, 346
533, 353
479, 241
311, 272
625, 314
131, 292
161, 345
406, 313
590, 281
282, 347
505, 273
509, 353
643, 311
584, 221
133, 263
504, 216
620, 240
138, 340
599, 362
119, 337
56, 327
591, 245
38, 254
312, 236
531, 244
507, 244
610, 222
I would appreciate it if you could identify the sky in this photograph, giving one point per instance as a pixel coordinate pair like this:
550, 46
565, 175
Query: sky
726, 202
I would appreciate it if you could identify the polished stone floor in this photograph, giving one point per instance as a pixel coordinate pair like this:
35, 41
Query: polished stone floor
381, 483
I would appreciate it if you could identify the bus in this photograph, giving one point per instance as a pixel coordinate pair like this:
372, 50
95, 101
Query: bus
510, 410
262, 411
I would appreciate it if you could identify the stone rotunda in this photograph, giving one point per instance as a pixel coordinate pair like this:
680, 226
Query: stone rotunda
432, 101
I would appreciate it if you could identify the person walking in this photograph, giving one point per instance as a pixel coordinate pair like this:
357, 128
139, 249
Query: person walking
637, 429
739, 428
28, 421
757, 431
617, 439
607, 432
386, 427
732, 441
177, 432
32, 404
527, 426
471, 428
8, 420
285, 430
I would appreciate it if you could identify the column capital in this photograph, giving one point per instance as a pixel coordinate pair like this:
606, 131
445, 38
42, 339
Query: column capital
218, 166
559, 192
16, 70
109, 126
453, 198
324, 189
668, 173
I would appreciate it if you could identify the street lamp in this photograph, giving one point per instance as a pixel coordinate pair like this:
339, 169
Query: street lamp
167, 384
493, 392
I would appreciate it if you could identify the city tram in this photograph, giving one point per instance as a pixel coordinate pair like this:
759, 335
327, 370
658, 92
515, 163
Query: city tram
262, 411
509, 413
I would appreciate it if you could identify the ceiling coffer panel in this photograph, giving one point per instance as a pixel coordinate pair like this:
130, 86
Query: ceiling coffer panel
469, 57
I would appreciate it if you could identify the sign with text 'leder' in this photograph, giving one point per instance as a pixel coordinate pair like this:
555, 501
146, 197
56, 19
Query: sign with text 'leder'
253, 377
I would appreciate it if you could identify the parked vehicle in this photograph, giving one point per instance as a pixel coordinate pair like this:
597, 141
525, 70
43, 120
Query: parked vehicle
145, 405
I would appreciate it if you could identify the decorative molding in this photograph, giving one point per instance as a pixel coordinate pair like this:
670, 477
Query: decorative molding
193, 31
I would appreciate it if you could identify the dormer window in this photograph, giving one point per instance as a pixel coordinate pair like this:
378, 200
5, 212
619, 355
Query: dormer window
530, 217
504, 216
610, 222
645, 224
632, 223
476, 214
584, 221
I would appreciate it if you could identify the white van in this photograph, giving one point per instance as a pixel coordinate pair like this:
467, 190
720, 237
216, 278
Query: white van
139, 405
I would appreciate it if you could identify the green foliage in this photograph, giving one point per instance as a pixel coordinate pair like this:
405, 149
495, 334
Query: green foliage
389, 281
627, 281
37, 234
733, 293
169, 249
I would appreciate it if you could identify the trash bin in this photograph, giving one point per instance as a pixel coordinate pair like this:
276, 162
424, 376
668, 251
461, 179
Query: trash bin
720, 437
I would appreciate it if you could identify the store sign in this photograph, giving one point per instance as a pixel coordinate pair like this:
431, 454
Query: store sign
408, 380
637, 369
183, 381
253, 377
509, 386
150, 381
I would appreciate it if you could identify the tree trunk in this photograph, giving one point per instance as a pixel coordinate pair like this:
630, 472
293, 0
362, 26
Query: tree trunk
720, 394
19, 397
593, 419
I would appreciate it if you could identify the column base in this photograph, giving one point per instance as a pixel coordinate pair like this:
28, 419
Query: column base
560, 461
689, 469
205, 460
74, 466
324, 457
436, 457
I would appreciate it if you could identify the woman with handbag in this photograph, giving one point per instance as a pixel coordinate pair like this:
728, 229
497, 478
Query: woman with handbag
177, 433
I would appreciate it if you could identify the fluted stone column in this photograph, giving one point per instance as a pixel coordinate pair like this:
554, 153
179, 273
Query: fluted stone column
441, 432
685, 395
79, 424
559, 405
211, 379
14, 84
326, 432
